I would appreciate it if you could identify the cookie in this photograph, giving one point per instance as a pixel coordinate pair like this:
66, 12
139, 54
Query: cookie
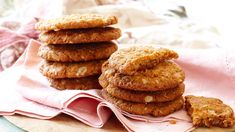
76, 22
163, 76
103, 81
80, 36
208, 112
146, 97
130, 60
84, 83
141, 96
70, 70
155, 109
76, 52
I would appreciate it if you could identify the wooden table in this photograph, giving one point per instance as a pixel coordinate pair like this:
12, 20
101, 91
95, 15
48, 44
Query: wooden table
66, 123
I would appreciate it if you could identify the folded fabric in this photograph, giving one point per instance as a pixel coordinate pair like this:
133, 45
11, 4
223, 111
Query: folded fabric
13, 43
25, 91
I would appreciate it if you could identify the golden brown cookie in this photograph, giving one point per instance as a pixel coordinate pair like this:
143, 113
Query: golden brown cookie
163, 76
103, 81
146, 97
76, 52
80, 36
130, 60
84, 83
71, 70
208, 112
76, 21
155, 109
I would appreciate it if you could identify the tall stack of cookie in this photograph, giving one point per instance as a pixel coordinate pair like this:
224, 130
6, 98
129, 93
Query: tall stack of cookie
143, 80
74, 49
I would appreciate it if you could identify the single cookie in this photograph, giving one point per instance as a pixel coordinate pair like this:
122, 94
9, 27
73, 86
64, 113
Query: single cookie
71, 70
76, 52
142, 96
146, 97
163, 76
130, 60
84, 83
155, 109
80, 36
208, 112
76, 22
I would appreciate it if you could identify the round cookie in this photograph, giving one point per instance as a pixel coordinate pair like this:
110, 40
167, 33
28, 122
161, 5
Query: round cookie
146, 97
76, 21
130, 60
80, 36
76, 52
84, 83
155, 109
142, 96
163, 76
70, 70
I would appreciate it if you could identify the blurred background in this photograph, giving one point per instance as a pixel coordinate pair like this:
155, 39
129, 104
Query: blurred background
197, 24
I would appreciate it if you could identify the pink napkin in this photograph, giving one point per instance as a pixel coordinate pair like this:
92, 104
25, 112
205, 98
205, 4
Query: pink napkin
13, 43
25, 91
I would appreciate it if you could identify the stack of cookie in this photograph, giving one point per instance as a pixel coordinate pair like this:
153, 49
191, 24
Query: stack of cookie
74, 49
143, 81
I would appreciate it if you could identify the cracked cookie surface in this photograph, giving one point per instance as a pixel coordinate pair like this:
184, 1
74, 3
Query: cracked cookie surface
130, 60
76, 21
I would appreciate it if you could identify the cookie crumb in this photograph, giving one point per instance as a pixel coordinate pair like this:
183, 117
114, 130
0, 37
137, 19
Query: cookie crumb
172, 121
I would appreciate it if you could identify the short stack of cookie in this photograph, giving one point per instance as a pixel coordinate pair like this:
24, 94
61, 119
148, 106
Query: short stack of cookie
144, 81
74, 49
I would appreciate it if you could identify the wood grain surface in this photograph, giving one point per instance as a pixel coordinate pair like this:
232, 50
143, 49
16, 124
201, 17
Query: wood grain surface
66, 123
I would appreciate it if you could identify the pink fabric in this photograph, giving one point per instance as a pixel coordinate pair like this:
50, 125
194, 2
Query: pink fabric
25, 91
13, 43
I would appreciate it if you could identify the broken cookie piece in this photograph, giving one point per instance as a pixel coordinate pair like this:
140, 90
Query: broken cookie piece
131, 60
208, 112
